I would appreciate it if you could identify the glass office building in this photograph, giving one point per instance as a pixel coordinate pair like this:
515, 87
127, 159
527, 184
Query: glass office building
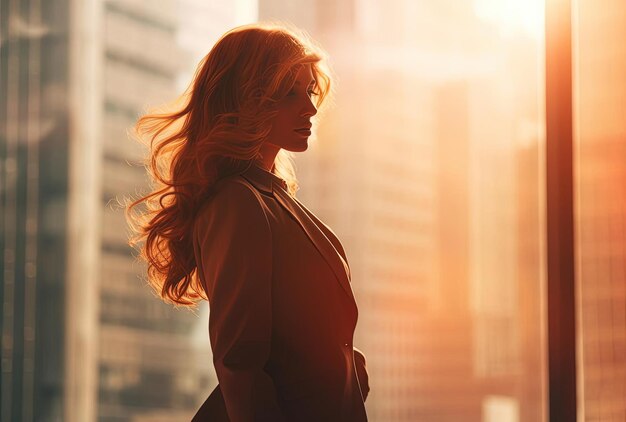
83, 337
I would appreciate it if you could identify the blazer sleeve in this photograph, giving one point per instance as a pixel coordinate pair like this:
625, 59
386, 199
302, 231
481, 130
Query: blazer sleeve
361, 372
235, 245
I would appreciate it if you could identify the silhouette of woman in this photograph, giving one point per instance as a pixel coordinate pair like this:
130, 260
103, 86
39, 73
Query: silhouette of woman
223, 224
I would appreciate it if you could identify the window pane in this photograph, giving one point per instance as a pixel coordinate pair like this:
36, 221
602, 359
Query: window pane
600, 113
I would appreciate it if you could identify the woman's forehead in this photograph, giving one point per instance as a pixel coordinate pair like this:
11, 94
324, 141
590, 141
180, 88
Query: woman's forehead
304, 75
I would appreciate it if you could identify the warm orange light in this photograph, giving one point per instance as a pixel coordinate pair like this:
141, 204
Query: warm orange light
513, 15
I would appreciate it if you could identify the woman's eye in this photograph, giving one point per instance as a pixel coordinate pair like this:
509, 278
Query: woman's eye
310, 92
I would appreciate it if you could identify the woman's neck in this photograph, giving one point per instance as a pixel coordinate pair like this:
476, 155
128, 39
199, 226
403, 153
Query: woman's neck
268, 155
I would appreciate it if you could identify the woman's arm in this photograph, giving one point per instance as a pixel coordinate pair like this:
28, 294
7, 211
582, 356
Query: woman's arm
236, 252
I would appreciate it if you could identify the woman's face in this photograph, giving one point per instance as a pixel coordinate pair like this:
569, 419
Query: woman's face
291, 127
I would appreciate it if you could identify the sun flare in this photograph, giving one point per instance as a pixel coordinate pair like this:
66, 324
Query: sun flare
513, 15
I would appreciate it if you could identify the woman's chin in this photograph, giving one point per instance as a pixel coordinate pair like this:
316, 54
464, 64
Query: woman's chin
299, 147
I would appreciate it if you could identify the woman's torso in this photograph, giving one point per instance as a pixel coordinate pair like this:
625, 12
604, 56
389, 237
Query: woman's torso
314, 313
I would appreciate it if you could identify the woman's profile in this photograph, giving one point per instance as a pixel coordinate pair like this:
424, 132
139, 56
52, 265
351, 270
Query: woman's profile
223, 224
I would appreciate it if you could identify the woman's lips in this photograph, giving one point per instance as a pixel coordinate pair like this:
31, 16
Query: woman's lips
304, 131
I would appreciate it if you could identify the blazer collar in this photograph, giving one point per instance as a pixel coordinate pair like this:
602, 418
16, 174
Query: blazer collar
262, 179
320, 240
271, 184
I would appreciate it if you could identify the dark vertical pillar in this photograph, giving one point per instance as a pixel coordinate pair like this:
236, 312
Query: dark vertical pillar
560, 214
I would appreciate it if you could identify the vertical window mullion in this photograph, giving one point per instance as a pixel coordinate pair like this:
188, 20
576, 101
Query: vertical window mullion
560, 213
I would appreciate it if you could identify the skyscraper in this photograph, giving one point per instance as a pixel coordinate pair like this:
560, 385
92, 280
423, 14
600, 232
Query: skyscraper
600, 208
83, 337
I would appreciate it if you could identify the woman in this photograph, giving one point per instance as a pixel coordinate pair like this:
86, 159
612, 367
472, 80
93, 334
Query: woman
223, 224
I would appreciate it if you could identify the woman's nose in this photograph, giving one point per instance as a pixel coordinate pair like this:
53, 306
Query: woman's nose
309, 108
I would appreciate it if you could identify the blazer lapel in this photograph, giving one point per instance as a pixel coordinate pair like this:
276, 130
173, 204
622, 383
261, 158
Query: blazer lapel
330, 235
317, 237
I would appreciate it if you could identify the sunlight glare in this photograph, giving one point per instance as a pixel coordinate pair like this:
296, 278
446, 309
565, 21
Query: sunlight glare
513, 15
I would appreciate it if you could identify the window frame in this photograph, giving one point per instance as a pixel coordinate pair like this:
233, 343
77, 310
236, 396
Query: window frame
561, 280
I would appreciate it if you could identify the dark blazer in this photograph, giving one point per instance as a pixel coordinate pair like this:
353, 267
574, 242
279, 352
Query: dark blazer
282, 311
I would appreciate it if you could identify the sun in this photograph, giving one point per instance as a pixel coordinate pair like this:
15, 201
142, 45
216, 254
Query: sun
513, 15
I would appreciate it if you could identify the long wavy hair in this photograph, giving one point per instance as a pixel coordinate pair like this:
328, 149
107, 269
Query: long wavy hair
215, 129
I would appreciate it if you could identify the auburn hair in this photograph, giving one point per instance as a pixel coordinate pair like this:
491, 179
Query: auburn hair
215, 129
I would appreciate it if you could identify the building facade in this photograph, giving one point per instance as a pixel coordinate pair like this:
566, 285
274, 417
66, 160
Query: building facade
83, 336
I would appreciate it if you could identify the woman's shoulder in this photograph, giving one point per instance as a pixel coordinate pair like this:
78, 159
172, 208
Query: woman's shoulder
233, 185
233, 213
233, 195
